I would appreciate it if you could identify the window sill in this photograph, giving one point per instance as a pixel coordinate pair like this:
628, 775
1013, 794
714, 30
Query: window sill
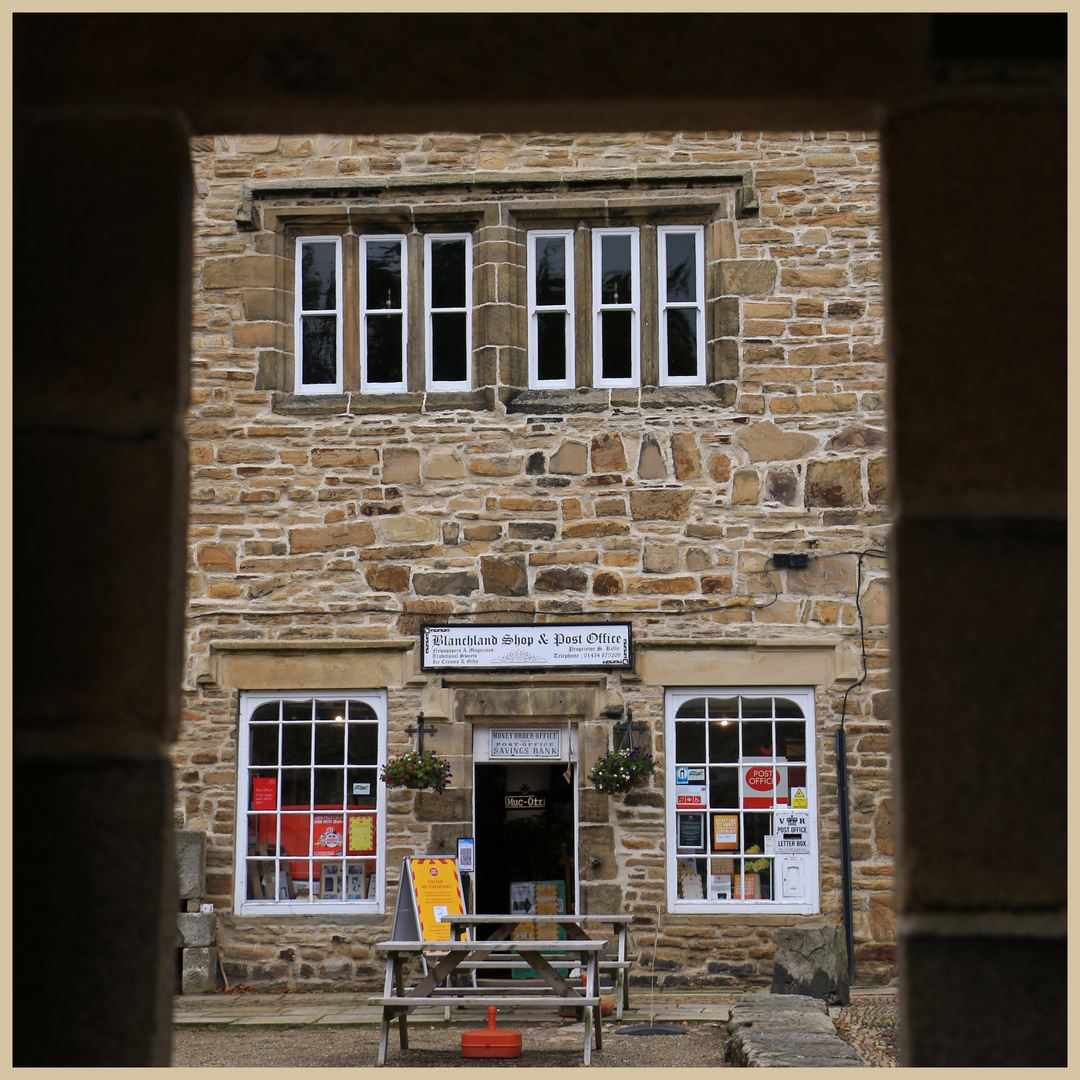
355, 403
591, 399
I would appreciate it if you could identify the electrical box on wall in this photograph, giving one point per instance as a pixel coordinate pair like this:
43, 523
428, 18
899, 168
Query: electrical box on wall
792, 877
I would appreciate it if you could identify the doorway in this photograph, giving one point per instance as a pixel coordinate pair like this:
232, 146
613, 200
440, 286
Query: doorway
524, 828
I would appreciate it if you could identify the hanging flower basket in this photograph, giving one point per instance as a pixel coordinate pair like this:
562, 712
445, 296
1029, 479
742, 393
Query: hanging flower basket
417, 771
620, 770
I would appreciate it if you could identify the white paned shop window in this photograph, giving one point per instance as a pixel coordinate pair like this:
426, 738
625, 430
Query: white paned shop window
310, 805
741, 807
317, 328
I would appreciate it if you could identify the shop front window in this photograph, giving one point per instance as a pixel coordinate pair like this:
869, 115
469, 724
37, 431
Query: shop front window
742, 821
311, 823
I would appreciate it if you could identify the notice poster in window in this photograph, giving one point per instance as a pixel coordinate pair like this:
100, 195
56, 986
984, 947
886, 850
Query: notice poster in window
691, 832
264, 793
725, 832
361, 835
329, 839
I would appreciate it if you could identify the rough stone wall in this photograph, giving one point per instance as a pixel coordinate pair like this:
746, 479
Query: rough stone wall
357, 525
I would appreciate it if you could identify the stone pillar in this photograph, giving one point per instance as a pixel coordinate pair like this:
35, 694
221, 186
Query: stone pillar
977, 337
102, 288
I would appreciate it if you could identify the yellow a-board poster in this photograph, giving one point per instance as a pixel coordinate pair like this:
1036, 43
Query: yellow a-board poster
429, 887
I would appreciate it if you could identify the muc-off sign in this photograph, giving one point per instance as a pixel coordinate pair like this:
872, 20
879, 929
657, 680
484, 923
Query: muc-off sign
483, 648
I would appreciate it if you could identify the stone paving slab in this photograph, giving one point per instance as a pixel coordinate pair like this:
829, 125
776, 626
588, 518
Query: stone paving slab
786, 1030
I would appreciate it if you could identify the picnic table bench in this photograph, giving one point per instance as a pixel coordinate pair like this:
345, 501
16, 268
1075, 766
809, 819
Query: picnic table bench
397, 1001
574, 927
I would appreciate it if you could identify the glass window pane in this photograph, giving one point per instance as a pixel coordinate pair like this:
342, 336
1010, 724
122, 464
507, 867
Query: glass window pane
448, 347
269, 711
615, 284
695, 707
296, 787
757, 740
330, 744
360, 787
363, 744
723, 788
689, 742
447, 273
550, 270
329, 787
681, 267
756, 706
791, 740
318, 276
296, 744
384, 349
264, 744
550, 345
723, 741
724, 708
330, 710
682, 354
755, 828
383, 274
786, 707
296, 710
319, 362
616, 356
361, 710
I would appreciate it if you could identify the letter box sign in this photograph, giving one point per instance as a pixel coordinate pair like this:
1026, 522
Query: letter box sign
560, 645
792, 831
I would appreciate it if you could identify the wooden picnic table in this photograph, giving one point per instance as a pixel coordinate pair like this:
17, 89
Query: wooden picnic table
557, 991
575, 931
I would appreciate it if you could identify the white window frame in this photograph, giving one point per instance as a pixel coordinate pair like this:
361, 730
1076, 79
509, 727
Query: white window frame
566, 308
367, 387
338, 311
242, 905
431, 382
810, 904
634, 306
698, 304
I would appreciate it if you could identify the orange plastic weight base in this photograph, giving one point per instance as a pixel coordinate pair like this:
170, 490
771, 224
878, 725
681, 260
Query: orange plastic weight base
491, 1042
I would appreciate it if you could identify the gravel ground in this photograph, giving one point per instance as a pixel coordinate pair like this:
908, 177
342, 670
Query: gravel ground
550, 1045
869, 1025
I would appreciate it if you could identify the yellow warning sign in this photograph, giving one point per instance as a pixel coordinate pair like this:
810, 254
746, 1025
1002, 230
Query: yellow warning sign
798, 798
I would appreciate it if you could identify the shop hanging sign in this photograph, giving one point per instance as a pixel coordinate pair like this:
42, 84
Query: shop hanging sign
485, 648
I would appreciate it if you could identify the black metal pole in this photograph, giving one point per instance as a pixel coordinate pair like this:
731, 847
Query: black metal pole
845, 846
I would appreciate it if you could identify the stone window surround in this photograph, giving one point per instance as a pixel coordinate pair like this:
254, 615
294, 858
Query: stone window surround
513, 205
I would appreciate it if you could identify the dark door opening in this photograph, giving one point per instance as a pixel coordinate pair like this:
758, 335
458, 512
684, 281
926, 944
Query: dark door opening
524, 831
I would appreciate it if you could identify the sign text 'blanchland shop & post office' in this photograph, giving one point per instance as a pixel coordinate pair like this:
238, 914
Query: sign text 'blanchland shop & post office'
479, 648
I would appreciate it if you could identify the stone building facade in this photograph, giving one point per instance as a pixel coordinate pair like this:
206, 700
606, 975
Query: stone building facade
652, 463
